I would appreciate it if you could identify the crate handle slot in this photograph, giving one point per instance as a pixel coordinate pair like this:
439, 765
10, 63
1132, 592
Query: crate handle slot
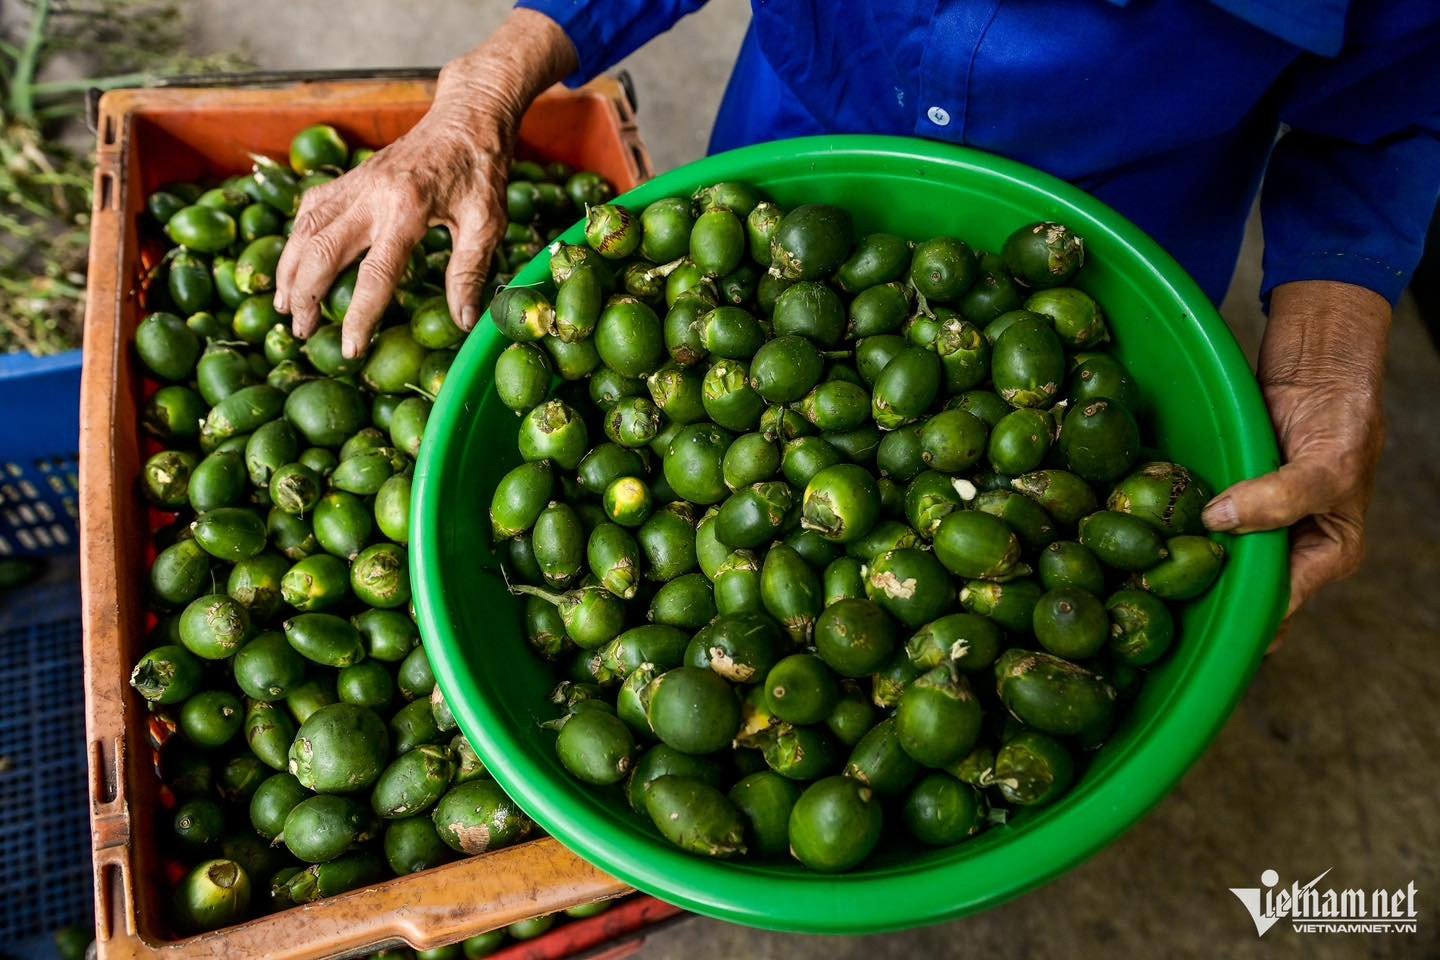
105, 194
627, 83
111, 883
641, 158
106, 766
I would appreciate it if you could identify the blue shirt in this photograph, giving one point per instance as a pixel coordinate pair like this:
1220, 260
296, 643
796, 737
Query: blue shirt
1171, 111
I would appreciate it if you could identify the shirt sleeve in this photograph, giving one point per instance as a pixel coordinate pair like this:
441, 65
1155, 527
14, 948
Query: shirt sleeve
1353, 182
604, 32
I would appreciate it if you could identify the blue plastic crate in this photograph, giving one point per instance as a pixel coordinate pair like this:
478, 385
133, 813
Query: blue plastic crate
45, 873
39, 459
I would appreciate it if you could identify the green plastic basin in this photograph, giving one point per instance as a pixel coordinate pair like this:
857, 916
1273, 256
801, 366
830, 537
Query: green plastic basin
1204, 409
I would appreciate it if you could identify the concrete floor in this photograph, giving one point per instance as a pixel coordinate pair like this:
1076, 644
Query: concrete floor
1332, 759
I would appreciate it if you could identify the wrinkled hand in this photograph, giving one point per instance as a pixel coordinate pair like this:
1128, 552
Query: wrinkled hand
1322, 368
445, 170
449, 169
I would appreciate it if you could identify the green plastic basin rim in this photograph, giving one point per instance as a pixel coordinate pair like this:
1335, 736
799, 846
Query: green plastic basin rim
920, 890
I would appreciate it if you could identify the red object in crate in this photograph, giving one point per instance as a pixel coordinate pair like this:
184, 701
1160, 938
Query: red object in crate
622, 922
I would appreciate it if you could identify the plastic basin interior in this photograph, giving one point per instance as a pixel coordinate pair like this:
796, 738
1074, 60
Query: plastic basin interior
1203, 409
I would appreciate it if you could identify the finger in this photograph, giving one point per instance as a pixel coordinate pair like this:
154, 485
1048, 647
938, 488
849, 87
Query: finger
1321, 555
321, 258
473, 243
1276, 500
316, 213
379, 272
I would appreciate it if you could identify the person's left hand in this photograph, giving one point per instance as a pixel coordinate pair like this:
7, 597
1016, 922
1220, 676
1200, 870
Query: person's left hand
1322, 370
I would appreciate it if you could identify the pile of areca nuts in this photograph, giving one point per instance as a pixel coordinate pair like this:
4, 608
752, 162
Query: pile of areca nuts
307, 750
828, 532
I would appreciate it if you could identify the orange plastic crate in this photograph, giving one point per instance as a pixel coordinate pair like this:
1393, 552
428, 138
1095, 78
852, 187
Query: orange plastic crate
147, 138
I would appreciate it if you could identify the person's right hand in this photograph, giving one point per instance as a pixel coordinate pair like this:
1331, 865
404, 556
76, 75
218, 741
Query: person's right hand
449, 169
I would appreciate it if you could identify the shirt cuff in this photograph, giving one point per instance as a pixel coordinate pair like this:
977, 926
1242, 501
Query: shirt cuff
1372, 273
572, 17
604, 32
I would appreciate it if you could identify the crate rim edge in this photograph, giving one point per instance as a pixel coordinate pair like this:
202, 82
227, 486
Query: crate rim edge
1170, 743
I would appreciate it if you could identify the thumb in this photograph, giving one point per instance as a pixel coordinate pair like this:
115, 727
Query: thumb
1276, 500
470, 250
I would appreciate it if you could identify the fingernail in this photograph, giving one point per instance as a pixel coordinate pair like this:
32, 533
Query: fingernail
1220, 514
281, 304
469, 314
350, 348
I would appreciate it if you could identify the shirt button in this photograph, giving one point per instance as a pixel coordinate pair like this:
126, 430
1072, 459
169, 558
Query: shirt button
938, 116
